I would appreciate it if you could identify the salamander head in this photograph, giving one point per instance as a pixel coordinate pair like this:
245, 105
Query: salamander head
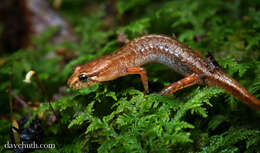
88, 74
81, 78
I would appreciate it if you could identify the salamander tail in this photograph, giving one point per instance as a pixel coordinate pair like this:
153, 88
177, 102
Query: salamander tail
222, 80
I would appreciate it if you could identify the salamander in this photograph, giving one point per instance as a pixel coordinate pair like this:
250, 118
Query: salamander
159, 48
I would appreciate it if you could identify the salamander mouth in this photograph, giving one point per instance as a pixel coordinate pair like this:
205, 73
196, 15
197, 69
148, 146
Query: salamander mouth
74, 83
77, 85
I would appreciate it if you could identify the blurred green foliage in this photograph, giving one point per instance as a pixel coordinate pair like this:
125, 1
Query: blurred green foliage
116, 116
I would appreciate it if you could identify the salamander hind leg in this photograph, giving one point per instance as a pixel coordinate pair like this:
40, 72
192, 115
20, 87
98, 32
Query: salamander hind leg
141, 71
183, 83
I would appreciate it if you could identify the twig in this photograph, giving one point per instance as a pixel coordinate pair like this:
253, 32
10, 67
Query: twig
42, 87
44, 91
20, 100
13, 119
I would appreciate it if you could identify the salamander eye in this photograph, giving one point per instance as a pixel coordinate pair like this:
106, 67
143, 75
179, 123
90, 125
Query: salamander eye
83, 78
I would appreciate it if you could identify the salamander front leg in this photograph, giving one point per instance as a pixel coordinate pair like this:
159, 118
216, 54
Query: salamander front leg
185, 82
142, 72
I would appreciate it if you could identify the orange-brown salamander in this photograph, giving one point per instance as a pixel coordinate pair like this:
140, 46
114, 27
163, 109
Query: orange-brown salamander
165, 50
